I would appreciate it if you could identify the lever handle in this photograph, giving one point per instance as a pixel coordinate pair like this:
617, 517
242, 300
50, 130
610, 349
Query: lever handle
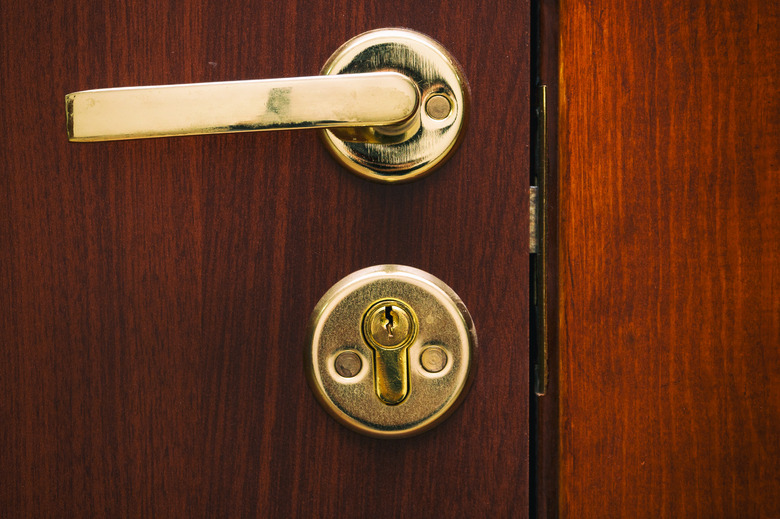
392, 105
349, 100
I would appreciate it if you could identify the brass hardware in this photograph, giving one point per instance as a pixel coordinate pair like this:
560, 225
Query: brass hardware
533, 215
348, 364
415, 343
372, 99
369, 97
539, 225
433, 359
426, 141
389, 324
438, 107
388, 327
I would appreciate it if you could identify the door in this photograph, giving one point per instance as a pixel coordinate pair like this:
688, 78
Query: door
155, 294
664, 398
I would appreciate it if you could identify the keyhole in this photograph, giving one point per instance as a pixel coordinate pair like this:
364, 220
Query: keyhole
389, 320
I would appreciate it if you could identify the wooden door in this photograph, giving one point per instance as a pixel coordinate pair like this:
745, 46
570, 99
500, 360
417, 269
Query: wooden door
664, 399
154, 295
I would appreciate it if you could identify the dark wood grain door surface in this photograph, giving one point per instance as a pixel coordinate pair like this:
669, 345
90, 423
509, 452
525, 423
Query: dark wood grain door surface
666, 400
154, 295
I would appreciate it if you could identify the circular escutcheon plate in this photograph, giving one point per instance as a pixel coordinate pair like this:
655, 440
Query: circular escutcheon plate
341, 366
412, 149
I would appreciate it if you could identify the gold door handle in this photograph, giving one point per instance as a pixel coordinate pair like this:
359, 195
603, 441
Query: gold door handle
351, 100
392, 104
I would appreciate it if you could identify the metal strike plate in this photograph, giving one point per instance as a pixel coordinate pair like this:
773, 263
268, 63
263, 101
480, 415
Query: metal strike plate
390, 351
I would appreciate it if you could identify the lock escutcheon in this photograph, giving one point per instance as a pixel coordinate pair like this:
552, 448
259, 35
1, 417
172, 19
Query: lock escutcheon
390, 351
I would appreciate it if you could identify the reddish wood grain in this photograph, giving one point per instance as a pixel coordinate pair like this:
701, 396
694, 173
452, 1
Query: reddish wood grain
669, 261
154, 295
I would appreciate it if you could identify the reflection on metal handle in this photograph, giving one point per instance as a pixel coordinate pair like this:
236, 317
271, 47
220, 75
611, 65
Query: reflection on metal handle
349, 100
391, 104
